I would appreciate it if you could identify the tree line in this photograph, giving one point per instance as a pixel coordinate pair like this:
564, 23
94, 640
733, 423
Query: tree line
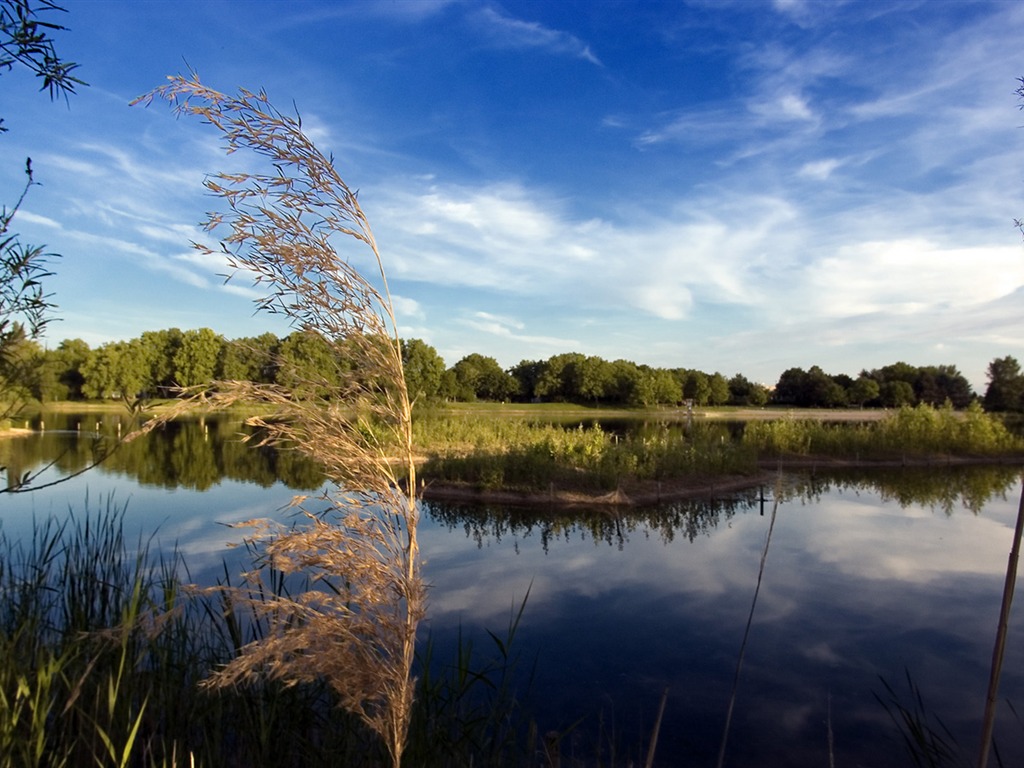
156, 363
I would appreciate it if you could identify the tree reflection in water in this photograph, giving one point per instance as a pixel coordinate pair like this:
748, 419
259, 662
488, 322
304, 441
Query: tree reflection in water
873, 573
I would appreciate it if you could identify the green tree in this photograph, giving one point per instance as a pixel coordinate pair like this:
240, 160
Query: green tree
863, 390
740, 389
480, 377
789, 390
527, 373
1005, 391
822, 390
251, 358
195, 362
424, 370
557, 382
594, 379
624, 380
71, 354
896, 394
118, 369
160, 348
20, 357
308, 364
697, 387
718, 387
667, 389
643, 392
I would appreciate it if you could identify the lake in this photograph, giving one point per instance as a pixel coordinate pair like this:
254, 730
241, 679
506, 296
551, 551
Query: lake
875, 586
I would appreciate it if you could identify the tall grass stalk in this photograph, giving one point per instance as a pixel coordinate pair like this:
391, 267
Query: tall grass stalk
746, 632
355, 627
989, 719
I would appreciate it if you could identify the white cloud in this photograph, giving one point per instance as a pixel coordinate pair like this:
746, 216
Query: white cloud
487, 317
819, 170
35, 218
506, 32
909, 276
406, 307
508, 327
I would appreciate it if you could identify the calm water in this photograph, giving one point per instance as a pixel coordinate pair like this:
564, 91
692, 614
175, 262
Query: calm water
869, 579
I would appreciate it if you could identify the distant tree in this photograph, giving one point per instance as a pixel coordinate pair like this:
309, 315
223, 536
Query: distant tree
863, 390
195, 362
250, 358
307, 364
932, 384
118, 369
623, 375
697, 387
791, 387
1005, 391
824, 391
951, 385
559, 378
58, 374
160, 349
424, 370
72, 354
642, 392
719, 389
20, 356
593, 379
742, 391
895, 394
526, 373
44, 381
449, 386
480, 377
667, 389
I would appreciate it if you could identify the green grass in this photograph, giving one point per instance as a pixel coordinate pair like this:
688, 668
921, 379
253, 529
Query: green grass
103, 650
516, 454
530, 454
917, 433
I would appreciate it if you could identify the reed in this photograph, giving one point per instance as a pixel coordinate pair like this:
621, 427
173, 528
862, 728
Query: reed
919, 432
355, 626
104, 669
523, 455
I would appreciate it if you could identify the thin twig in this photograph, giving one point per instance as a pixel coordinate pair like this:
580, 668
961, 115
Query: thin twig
988, 721
746, 631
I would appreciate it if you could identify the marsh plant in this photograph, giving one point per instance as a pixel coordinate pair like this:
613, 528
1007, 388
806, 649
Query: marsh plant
919, 432
511, 454
355, 625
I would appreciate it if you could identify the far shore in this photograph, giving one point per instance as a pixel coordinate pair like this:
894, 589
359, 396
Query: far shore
539, 411
631, 491
646, 492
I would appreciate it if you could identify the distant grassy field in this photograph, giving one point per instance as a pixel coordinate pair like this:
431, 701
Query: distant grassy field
563, 411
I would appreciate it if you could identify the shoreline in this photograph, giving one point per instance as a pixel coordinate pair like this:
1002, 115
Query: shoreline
645, 493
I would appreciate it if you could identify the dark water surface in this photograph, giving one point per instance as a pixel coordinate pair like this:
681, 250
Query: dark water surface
870, 580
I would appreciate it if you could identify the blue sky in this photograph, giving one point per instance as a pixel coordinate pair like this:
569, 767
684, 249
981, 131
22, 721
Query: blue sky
734, 186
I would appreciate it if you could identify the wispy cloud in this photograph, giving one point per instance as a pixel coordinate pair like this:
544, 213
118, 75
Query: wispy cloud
503, 31
35, 218
509, 328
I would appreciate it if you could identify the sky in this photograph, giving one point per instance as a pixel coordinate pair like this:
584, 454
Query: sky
728, 185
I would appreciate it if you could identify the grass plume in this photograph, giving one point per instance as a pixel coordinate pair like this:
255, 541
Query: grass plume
355, 626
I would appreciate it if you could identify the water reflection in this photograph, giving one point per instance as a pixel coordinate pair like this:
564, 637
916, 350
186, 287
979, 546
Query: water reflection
195, 454
871, 574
